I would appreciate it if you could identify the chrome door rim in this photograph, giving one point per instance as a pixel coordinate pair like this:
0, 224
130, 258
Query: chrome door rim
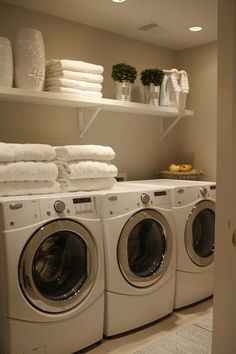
26, 280
200, 261
122, 256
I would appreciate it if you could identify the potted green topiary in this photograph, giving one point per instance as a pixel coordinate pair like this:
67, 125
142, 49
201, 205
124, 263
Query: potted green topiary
124, 76
152, 80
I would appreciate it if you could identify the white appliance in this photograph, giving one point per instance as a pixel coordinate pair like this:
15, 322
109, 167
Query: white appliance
193, 205
140, 256
51, 274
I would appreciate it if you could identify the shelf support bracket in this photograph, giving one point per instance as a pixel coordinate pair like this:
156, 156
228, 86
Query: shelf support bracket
171, 126
80, 118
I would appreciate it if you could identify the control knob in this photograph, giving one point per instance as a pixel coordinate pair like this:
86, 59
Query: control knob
145, 198
203, 191
59, 206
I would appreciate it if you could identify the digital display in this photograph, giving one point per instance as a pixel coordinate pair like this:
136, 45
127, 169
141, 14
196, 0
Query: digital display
82, 200
212, 187
159, 193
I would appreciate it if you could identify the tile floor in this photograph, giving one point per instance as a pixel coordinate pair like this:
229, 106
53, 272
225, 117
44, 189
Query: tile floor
129, 342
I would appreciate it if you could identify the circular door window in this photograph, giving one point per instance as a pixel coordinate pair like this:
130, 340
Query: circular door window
144, 248
200, 233
58, 266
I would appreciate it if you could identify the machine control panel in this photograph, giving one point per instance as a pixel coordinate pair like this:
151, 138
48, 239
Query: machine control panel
145, 198
59, 206
203, 191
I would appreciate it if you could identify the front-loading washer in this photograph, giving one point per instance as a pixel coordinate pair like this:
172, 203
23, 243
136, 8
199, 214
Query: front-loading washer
51, 273
140, 256
193, 205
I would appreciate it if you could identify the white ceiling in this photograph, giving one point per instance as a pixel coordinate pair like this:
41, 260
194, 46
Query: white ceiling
173, 16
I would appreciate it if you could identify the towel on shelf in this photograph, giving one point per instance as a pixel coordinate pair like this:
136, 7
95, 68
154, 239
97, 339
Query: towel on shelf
94, 94
86, 169
74, 75
88, 184
28, 188
74, 65
184, 81
28, 171
75, 84
84, 152
26, 152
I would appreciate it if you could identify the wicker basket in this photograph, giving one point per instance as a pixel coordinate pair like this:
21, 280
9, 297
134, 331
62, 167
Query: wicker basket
193, 175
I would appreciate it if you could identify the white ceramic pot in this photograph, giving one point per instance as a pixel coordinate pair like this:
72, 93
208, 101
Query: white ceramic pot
6, 63
29, 59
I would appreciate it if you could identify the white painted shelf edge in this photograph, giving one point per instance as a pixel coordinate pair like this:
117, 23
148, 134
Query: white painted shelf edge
81, 103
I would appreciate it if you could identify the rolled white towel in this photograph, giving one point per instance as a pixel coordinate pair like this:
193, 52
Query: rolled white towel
84, 152
86, 169
74, 65
28, 188
28, 171
76, 84
26, 152
74, 75
94, 94
87, 184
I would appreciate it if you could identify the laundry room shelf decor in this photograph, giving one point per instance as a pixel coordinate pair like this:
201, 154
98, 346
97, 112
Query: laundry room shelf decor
82, 103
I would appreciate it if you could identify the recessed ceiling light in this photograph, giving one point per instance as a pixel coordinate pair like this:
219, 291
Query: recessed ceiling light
195, 28
118, 0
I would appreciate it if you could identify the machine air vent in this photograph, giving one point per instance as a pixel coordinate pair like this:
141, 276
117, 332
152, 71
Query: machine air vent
153, 28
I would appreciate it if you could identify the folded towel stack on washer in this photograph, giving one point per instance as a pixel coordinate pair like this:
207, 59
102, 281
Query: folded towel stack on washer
27, 169
85, 167
72, 76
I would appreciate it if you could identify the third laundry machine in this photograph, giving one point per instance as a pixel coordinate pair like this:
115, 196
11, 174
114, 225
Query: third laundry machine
193, 205
140, 256
51, 274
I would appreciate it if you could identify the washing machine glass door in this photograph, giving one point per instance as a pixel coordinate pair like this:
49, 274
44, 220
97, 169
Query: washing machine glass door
200, 233
144, 248
58, 266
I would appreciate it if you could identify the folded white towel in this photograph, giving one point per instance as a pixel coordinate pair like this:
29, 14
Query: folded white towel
94, 94
74, 75
84, 152
88, 184
74, 65
86, 169
28, 188
76, 84
28, 171
26, 152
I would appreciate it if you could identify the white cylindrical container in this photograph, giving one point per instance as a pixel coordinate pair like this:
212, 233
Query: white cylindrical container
29, 59
6, 63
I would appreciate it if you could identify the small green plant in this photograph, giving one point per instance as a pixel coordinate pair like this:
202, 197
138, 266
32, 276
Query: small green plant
152, 76
124, 72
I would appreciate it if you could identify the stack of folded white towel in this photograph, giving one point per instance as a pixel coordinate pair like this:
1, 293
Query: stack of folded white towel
85, 167
27, 169
71, 76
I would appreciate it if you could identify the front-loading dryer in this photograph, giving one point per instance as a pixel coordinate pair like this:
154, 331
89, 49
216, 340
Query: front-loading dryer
193, 204
51, 273
140, 257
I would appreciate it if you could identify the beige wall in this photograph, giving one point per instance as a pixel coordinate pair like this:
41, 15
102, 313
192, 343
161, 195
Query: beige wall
225, 261
197, 135
136, 139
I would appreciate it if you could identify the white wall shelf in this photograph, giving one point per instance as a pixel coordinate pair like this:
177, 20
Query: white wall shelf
82, 103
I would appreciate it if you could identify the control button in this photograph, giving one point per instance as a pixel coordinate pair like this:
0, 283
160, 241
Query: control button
145, 198
203, 191
59, 206
180, 190
16, 205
